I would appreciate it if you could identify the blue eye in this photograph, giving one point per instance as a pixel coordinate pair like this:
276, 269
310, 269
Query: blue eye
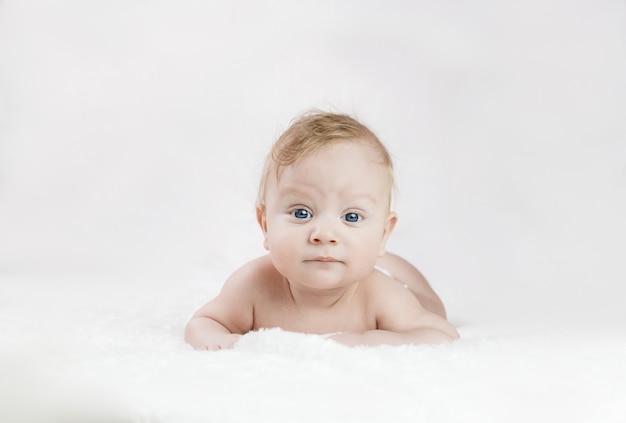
352, 217
301, 214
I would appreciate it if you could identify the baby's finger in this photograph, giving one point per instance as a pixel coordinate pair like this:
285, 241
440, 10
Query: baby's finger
212, 347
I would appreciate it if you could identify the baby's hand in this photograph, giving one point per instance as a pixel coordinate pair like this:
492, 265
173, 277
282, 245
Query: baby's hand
221, 341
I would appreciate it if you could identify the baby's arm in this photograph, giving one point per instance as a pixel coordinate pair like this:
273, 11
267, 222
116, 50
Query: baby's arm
421, 335
204, 333
401, 319
220, 323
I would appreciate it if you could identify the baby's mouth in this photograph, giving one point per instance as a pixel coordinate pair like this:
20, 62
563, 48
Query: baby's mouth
325, 259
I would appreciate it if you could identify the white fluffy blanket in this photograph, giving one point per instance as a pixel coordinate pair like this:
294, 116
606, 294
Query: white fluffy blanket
79, 351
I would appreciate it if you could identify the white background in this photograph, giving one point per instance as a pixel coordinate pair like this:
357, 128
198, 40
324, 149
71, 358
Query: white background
132, 134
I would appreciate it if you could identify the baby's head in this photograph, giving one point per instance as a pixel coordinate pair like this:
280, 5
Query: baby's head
313, 132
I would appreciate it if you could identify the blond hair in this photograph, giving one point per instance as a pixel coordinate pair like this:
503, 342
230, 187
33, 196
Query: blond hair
313, 131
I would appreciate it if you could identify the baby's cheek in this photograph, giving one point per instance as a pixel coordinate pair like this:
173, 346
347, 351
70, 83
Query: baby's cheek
281, 249
283, 260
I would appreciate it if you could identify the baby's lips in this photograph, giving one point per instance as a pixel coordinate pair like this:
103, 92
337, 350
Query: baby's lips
325, 259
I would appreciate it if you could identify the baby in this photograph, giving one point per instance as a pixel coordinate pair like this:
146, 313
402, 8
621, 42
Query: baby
324, 209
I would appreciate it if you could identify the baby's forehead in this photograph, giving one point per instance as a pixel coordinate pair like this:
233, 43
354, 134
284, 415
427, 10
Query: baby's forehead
289, 156
372, 151
360, 167
338, 152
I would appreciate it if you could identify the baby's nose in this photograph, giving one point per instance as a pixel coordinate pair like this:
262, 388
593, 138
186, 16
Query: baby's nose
324, 232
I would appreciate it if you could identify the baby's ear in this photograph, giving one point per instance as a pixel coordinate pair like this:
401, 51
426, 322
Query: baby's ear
260, 218
390, 224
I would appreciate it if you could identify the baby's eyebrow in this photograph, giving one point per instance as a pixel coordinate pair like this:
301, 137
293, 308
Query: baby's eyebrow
358, 195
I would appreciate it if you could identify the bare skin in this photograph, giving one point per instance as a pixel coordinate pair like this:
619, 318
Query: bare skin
257, 296
325, 221
406, 273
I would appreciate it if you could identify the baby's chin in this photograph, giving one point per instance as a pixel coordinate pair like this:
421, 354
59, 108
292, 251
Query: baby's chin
322, 281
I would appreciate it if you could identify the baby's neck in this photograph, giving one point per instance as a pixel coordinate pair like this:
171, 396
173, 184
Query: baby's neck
320, 298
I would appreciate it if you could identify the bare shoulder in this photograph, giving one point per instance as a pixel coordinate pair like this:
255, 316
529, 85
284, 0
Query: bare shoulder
385, 297
253, 275
404, 271
381, 291
397, 309
234, 306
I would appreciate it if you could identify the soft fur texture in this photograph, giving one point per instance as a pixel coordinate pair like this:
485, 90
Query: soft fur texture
115, 353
